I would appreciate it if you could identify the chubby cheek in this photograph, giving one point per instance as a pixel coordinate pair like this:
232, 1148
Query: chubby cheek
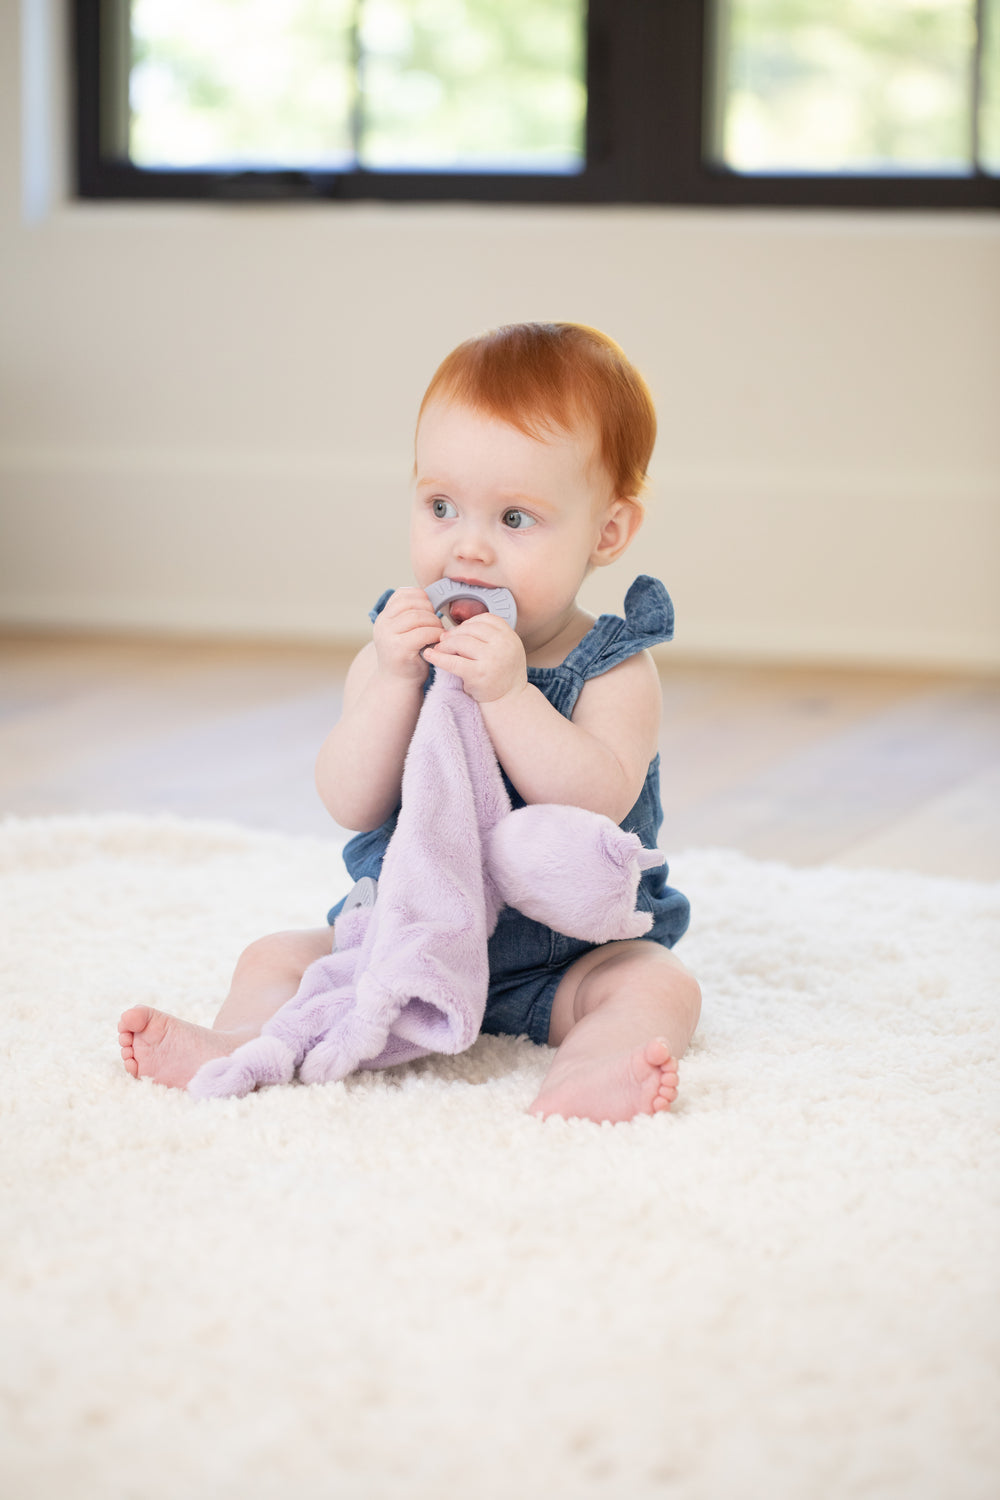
549, 587
423, 557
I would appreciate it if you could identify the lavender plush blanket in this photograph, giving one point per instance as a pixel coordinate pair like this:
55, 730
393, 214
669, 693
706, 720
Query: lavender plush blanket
409, 975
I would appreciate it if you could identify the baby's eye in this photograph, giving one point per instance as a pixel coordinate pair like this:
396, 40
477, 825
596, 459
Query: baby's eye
443, 509
518, 520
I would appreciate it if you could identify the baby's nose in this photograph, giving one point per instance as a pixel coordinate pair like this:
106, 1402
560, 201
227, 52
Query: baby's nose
473, 542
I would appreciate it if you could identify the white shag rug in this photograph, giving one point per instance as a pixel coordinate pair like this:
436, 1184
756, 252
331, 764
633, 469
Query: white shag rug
405, 1288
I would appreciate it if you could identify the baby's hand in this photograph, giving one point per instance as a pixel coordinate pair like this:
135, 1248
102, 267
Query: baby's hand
487, 655
405, 627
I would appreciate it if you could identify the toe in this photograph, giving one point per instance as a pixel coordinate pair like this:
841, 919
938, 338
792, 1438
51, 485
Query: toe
135, 1019
666, 1092
658, 1053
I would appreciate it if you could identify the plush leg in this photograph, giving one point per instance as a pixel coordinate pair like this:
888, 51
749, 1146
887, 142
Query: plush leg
168, 1050
622, 1017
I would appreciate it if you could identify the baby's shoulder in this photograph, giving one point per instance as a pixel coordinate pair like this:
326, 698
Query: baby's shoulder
632, 684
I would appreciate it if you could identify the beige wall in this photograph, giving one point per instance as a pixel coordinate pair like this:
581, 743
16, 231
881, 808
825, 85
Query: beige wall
205, 413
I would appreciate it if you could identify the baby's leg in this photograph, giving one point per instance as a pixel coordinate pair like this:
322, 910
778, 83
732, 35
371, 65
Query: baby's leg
168, 1050
622, 1016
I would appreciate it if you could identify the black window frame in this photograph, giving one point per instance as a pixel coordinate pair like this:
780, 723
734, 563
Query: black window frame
631, 107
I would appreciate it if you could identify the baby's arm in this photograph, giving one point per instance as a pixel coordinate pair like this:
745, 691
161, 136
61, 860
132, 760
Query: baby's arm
359, 769
598, 759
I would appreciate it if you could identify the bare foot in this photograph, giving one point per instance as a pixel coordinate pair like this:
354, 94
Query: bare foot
640, 1082
167, 1050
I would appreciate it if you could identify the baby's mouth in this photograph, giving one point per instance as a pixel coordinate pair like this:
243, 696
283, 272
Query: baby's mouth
456, 600
460, 610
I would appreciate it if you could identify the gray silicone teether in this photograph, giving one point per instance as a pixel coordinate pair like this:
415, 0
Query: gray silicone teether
364, 892
497, 601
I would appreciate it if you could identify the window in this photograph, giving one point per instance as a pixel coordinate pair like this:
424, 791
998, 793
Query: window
869, 87
866, 103
442, 85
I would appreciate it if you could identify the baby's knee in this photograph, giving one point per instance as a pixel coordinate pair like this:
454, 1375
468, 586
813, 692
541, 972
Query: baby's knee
689, 992
669, 979
276, 953
648, 971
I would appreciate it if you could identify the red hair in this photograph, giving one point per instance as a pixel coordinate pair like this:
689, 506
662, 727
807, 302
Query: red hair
545, 376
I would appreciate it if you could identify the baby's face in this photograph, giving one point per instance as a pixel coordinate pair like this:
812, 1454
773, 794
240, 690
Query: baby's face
493, 506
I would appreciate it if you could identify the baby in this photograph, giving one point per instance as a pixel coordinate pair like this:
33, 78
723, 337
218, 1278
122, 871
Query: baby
531, 454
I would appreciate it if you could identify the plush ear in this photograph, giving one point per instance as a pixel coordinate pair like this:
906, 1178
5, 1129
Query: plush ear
574, 870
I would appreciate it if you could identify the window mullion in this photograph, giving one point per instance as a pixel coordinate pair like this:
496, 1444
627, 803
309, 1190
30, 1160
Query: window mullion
358, 82
976, 88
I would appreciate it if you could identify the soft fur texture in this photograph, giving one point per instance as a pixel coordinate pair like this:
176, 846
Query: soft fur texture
573, 870
410, 975
403, 1287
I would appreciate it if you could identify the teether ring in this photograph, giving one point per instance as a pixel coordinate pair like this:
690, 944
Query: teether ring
448, 591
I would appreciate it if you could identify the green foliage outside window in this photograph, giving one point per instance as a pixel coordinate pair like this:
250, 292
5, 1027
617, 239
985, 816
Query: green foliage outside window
377, 83
794, 86
860, 86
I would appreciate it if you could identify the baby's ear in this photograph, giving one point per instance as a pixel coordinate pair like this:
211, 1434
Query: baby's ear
623, 519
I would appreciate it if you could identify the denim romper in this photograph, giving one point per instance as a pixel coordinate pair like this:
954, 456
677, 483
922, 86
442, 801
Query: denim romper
527, 960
